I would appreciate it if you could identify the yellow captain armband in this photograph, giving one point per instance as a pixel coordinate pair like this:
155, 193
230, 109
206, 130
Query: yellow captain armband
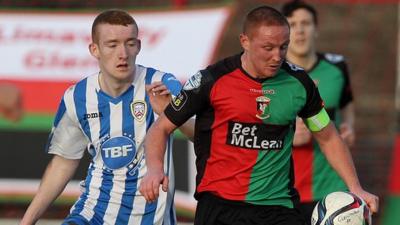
318, 121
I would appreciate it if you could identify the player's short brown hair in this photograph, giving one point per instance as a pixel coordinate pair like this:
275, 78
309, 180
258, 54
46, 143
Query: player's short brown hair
113, 17
263, 15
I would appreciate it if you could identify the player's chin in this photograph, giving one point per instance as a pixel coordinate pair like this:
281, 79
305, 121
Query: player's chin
123, 73
303, 50
271, 71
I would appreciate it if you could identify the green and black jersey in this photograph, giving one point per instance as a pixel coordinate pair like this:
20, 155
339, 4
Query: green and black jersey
244, 129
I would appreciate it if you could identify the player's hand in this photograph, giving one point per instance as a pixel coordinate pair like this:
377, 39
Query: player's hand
302, 135
150, 185
159, 96
371, 199
347, 134
10, 102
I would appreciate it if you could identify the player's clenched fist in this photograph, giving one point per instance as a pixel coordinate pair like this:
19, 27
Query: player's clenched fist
150, 185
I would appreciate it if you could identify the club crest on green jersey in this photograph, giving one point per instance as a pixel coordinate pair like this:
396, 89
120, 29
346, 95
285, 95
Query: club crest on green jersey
262, 107
139, 110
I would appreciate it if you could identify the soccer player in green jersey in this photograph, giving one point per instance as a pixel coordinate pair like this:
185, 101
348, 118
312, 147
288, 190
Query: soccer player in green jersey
314, 177
246, 107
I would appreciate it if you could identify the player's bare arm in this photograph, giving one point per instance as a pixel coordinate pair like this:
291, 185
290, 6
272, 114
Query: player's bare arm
347, 126
159, 97
155, 150
340, 158
59, 171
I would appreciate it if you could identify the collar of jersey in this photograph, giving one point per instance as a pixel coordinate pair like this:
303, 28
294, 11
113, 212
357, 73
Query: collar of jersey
114, 100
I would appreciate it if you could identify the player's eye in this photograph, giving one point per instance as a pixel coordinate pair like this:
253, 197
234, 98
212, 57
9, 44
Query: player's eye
111, 45
131, 43
268, 48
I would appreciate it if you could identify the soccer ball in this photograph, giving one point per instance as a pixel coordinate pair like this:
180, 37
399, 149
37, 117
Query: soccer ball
341, 208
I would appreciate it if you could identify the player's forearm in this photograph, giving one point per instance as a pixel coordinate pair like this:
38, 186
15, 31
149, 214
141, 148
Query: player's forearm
300, 140
342, 162
56, 176
338, 155
188, 129
348, 115
155, 142
38, 206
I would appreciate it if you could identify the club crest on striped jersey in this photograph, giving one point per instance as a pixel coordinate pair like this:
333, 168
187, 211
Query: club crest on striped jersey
139, 110
263, 107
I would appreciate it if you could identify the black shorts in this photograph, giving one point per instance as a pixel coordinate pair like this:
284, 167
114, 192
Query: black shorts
212, 210
306, 209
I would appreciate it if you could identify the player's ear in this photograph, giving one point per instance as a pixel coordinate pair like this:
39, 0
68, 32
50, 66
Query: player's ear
244, 41
94, 50
316, 33
139, 44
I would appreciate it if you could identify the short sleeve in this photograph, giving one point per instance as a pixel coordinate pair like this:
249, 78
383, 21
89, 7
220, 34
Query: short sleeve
314, 103
173, 85
347, 93
313, 112
66, 138
193, 98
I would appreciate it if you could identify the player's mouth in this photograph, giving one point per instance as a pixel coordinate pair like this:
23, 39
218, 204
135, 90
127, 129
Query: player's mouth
274, 67
300, 41
122, 66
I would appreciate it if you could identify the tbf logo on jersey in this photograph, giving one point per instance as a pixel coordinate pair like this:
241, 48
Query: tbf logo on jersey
118, 152
138, 110
262, 107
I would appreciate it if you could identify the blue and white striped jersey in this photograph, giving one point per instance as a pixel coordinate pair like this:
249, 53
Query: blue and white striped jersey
113, 131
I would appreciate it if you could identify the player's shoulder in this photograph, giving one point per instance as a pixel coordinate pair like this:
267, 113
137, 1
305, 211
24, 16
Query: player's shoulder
84, 85
332, 57
152, 73
213, 72
149, 69
293, 70
224, 66
335, 60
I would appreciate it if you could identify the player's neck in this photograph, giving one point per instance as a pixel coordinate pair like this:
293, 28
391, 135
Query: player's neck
305, 61
112, 86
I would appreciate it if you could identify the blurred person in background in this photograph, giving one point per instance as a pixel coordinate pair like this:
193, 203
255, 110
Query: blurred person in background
10, 102
109, 113
314, 177
246, 107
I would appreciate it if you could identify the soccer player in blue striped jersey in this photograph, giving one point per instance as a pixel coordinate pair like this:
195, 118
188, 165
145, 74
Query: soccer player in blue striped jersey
108, 114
